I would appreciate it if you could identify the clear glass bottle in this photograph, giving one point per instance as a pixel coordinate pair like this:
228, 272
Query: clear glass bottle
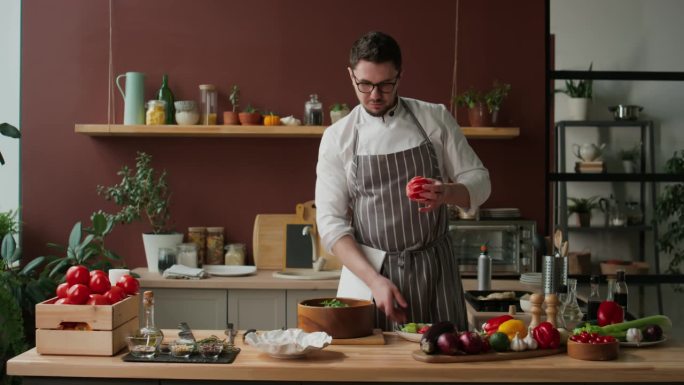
313, 111
208, 106
166, 95
148, 330
572, 314
611, 289
594, 299
620, 293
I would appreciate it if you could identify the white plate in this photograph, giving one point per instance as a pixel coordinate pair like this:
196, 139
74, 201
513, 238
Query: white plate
229, 270
642, 343
413, 337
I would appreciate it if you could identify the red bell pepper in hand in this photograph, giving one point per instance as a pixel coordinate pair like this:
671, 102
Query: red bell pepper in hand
415, 187
609, 312
547, 336
492, 325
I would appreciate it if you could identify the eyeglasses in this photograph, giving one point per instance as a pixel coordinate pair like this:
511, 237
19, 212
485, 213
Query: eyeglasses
368, 87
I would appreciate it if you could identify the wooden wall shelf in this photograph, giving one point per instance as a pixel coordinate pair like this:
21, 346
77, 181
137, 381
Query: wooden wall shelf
255, 131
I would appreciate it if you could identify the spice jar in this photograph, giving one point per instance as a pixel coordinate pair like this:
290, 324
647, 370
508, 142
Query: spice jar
156, 112
187, 254
214, 246
313, 111
235, 254
187, 112
208, 104
198, 236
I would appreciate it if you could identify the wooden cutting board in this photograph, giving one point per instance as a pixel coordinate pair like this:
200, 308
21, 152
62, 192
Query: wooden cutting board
377, 338
493, 356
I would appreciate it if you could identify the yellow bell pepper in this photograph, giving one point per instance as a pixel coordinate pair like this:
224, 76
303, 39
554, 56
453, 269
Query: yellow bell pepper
513, 326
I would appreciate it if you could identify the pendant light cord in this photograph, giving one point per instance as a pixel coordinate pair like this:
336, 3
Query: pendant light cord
454, 86
111, 109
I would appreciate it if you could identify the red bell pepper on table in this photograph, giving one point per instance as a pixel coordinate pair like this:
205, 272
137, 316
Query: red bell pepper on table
492, 325
547, 336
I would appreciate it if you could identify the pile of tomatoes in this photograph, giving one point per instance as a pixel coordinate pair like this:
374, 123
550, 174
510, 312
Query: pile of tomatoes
83, 287
591, 338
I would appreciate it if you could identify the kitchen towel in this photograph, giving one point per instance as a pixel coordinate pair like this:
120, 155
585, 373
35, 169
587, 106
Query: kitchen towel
184, 272
350, 285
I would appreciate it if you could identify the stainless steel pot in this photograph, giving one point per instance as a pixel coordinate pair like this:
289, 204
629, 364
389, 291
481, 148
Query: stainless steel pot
625, 111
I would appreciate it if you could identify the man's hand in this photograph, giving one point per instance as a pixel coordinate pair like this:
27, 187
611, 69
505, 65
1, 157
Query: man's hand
387, 297
434, 195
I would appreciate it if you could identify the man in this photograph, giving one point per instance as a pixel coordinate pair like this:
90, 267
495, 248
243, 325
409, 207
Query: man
364, 164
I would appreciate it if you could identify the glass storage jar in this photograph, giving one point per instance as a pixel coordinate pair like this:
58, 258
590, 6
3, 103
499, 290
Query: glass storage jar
187, 254
198, 236
208, 104
634, 214
156, 112
187, 112
313, 111
214, 246
235, 254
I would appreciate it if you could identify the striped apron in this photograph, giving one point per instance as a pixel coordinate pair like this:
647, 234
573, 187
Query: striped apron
420, 260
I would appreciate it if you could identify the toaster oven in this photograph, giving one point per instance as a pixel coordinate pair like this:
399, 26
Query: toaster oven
509, 244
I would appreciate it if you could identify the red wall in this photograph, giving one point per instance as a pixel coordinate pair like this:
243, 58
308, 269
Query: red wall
279, 52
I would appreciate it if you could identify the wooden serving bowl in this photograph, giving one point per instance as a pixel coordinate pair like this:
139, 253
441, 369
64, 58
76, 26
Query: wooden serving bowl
593, 352
355, 320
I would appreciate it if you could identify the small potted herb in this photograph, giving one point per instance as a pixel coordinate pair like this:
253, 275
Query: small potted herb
231, 117
250, 116
580, 94
338, 111
483, 108
629, 158
583, 208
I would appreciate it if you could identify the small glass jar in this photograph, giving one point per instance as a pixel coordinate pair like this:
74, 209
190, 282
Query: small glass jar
187, 112
198, 236
208, 110
181, 348
187, 254
235, 254
156, 112
634, 214
214, 246
167, 258
313, 111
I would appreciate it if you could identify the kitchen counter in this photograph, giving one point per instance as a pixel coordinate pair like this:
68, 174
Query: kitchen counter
355, 363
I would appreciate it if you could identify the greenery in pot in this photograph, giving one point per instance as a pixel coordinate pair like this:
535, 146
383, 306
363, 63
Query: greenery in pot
669, 212
250, 110
496, 96
469, 98
8, 223
140, 194
631, 154
339, 107
8, 130
582, 205
234, 97
581, 89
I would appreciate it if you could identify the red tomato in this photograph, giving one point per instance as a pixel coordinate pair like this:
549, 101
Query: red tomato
78, 294
97, 299
115, 294
63, 301
129, 284
99, 284
94, 272
62, 290
77, 274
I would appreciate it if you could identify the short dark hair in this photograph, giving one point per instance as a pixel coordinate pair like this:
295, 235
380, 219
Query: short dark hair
375, 47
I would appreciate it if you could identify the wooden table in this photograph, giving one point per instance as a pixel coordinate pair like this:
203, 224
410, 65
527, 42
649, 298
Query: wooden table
347, 363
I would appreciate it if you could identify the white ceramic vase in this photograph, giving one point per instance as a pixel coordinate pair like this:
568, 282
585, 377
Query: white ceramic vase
153, 242
337, 115
628, 166
578, 108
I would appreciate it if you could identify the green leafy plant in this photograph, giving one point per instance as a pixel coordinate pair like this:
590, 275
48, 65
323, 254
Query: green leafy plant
8, 223
496, 95
582, 205
141, 193
8, 130
631, 153
469, 98
250, 110
339, 107
581, 89
669, 212
234, 97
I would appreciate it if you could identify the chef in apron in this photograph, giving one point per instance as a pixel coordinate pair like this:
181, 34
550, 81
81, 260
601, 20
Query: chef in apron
395, 249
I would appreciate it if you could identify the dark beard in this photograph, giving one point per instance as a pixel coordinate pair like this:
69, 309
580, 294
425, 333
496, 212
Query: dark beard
383, 112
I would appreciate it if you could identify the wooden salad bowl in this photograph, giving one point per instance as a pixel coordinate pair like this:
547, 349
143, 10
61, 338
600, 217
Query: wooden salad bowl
352, 321
593, 352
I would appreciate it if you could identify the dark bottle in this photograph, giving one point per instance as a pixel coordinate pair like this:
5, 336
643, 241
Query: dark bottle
594, 299
166, 95
620, 294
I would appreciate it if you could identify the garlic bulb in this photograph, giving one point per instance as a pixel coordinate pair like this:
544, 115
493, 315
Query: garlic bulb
634, 335
530, 341
517, 344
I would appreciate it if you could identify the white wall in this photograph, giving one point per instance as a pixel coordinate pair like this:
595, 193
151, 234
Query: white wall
10, 12
623, 35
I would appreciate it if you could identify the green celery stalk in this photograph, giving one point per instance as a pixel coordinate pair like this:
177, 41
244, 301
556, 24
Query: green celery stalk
660, 320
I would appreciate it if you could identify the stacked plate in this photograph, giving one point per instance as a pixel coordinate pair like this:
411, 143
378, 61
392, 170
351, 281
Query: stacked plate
502, 213
531, 278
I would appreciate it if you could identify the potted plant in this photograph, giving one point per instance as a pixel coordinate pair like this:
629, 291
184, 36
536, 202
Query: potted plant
8, 223
580, 94
143, 194
629, 158
250, 116
669, 213
495, 97
583, 207
338, 111
8, 130
483, 108
231, 117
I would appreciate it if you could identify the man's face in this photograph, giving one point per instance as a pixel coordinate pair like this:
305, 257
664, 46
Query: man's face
380, 77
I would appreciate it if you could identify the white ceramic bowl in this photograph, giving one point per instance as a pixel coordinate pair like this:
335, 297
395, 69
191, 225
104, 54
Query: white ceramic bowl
525, 303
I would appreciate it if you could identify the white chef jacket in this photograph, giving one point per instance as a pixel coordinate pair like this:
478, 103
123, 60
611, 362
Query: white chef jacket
384, 135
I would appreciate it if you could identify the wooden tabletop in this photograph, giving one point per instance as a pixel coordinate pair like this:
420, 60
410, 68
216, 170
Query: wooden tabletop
380, 363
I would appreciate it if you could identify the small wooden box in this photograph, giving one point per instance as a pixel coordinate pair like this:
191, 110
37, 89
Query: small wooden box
110, 325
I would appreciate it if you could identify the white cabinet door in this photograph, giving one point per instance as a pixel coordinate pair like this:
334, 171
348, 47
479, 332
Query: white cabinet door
296, 296
200, 308
256, 309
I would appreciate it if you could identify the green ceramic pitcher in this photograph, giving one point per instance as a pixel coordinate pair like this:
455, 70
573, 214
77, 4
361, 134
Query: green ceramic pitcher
134, 102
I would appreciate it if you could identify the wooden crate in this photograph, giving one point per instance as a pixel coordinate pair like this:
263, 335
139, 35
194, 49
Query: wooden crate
110, 325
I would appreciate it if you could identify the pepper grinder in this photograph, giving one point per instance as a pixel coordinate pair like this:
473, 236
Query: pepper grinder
551, 308
536, 301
